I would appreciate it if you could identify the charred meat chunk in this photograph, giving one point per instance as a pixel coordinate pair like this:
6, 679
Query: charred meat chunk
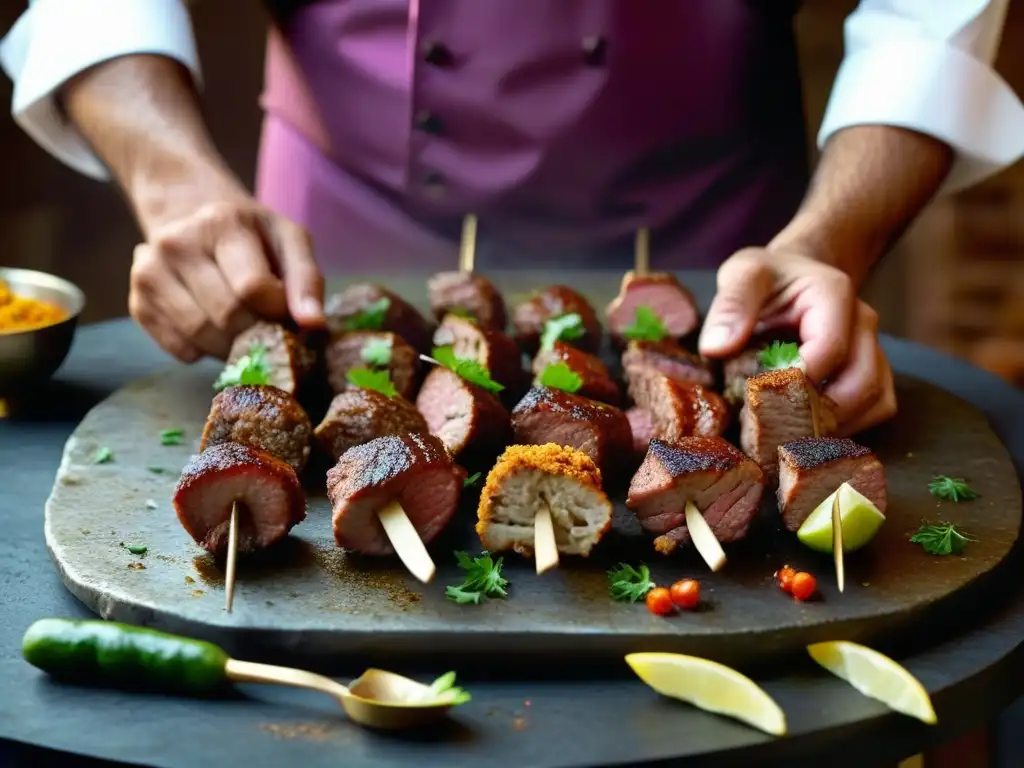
494, 350
266, 418
601, 431
267, 490
467, 295
372, 349
470, 421
780, 407
413, 469
351, 309
357, 416
663, 294
736, 370
724, 485
812, 468
563, 479
643, 428
597, 382
288, 361
678, 409
668, 358
548, 303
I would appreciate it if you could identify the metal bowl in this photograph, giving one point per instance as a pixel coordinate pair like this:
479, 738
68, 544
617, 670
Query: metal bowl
33, 356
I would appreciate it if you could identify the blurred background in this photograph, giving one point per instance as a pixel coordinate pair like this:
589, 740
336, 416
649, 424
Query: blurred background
955, 282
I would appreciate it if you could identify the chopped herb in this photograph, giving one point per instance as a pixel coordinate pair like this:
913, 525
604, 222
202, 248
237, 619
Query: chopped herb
445, 689
155, 469
470, 481
370, 318
941, 539
951, 489
136, 549
561, 376
103, 456
249, 370
646, 326
470, 370
482, 579
172, 436
563, 328
780, 355
378, 381
376, 353
629, 584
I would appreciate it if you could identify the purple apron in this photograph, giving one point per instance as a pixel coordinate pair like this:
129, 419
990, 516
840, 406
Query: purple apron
564, 125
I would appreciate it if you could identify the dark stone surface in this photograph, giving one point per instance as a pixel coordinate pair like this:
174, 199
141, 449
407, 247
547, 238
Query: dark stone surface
604, 718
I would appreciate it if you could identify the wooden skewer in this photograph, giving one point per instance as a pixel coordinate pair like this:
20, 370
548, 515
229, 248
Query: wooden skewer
229, 577
642, 264
407, 542
837, 543
704, 538
545, 550
467, 249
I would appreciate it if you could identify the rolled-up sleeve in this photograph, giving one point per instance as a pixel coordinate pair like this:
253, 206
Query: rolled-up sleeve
54, 40
926, 65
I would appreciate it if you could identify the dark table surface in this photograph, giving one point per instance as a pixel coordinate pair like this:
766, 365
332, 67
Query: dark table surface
607, 719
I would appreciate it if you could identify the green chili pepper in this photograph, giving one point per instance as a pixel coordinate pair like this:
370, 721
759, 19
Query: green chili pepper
104, 652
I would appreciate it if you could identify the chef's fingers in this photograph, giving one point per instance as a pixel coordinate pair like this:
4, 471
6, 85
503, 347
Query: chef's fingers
744, 285
243, 261
153, 322
304, 285
858, 386
884, 407
827, 313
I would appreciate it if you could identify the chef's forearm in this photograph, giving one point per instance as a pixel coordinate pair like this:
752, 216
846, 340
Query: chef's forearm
871, 182
141, 115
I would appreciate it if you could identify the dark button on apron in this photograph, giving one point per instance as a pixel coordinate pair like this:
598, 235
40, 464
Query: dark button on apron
436, 53
595, 51
428, 122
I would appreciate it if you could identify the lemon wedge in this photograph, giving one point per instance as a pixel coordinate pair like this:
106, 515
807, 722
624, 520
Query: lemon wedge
876, 676
710, 686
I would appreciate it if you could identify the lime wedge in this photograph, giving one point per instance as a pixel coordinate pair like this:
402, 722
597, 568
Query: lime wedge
861, 521
711, 687
876, 676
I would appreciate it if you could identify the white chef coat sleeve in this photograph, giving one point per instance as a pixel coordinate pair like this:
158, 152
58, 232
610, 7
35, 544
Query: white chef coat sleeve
54, 40
926, 65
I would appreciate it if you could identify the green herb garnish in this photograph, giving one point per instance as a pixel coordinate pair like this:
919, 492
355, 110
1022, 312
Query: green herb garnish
378, 381
249, 370
470, 370
560, 376
470, 481
629, 584
172, 436
563, 328
370, 318
446, 690
941, 539
155, 469
482, 579
376, 353
646, 326
780, 355
136, 549
103, 456
951, 489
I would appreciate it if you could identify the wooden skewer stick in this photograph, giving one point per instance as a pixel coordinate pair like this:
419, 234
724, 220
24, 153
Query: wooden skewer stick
837, 543
407, 542
229, 577
704, 538
545, 550
467, 249
643, 252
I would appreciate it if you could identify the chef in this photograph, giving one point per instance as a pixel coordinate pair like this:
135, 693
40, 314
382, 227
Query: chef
565, 125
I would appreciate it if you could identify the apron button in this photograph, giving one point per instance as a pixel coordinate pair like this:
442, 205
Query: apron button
595, 51
437, 54
428, 122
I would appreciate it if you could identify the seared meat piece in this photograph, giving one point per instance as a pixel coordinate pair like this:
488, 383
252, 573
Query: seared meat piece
678, 409
464, 293
287, 358
643, 428
526, 476
723, 484
400, 316
601, 431
780, 407
356, 349
551, 302
668, 358
267, 490
357, 416
470, 421
413, 469
494, 350
810, 469
736, 370
663, 294
597, 382
266, 418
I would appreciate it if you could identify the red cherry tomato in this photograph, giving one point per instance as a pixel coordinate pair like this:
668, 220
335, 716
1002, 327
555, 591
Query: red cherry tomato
685, 594
659, 601
804, 586
784, 578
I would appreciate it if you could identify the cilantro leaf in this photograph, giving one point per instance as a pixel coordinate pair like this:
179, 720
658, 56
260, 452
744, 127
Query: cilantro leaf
470, 370
780, 355
482, 579
472, 480
378, 381
951, 489
103, 456
941, 539
136, 549
560, 376
172, 436
251, 369
646, 326
629, 584
376, 353
370, 318
563, 328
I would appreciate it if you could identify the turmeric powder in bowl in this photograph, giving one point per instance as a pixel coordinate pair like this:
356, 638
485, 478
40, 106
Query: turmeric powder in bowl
21, 313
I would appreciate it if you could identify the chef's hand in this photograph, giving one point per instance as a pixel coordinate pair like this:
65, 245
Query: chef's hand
216, 267
761, 290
